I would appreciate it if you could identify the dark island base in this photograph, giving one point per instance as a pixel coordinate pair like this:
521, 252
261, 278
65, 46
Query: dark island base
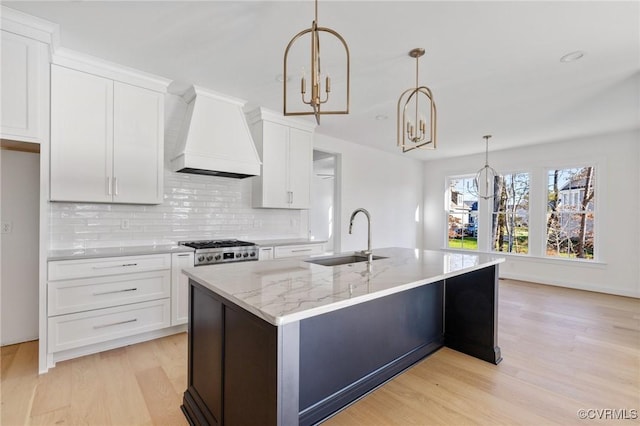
245, 371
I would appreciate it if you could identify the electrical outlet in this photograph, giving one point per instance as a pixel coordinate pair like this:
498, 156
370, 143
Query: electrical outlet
124, 224
7, 227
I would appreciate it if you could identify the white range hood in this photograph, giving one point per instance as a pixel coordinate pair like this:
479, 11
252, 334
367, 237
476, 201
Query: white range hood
214, 138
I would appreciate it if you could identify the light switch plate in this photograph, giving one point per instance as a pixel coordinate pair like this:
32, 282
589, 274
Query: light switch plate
7, 227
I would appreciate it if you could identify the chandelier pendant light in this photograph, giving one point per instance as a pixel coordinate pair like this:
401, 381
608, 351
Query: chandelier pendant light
416, 111
319, 94
486, 176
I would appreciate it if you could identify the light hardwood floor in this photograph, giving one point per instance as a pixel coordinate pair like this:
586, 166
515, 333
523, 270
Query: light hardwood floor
564, 350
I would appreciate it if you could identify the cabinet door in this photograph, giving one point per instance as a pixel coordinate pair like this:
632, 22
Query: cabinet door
180, 287
265, 253
275, 154
81, 136
300, 167
22, 60
138, 135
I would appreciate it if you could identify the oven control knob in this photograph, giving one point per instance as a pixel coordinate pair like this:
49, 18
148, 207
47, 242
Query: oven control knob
210, 257
238, 255
252, 254
245, 255
218, 257
200, 258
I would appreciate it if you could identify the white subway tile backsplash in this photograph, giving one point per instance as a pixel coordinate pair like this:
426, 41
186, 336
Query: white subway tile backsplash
194, 207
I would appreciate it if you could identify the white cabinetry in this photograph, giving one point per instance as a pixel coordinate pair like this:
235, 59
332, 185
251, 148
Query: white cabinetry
180, 287
107, 136
94, 301
265, 253
297, 250
23, 78
286, 149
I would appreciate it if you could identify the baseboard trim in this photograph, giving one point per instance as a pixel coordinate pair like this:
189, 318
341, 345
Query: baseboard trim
113, 344
568, 284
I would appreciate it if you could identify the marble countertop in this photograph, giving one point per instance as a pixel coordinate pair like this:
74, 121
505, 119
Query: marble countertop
287, 290
87, 253
286, 242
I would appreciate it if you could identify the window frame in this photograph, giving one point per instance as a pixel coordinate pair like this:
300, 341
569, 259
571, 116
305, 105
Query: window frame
448, 180
538, 186
597, 173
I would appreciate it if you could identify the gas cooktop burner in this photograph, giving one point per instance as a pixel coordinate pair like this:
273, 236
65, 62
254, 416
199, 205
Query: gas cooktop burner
206, 244
209, 252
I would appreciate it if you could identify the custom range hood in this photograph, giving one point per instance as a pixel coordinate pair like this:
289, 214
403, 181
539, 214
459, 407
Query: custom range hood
214, 138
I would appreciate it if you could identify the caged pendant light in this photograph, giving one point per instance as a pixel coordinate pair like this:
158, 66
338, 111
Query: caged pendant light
316, 96
486, 176
416, 111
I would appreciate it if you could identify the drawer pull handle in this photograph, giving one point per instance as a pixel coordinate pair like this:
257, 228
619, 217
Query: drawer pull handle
299, 250
115, 266
115, 323
115, 291
184, 255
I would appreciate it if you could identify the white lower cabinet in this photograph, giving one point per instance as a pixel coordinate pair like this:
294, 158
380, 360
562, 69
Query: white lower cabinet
298, 250
85, 328
180, 287
265, 253
93, 301
65, 297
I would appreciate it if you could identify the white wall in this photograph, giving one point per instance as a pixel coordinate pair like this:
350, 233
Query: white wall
616, 158
388, 186
21, 209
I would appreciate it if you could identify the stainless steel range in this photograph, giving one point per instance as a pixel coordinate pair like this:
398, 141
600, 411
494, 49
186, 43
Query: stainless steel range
211, 252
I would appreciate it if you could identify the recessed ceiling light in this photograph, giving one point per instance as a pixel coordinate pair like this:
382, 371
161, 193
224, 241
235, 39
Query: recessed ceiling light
381, 117
573, 56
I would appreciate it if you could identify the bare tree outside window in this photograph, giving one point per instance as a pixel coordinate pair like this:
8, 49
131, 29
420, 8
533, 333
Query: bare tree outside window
570, 212
510, 220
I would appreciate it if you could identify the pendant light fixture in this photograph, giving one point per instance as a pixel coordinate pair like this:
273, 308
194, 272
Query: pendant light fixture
486, 176
416, 114
319, 90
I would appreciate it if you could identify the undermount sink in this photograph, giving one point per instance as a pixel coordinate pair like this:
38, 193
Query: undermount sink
341, 259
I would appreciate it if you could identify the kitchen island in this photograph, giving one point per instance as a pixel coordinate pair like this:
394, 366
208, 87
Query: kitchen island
288, 342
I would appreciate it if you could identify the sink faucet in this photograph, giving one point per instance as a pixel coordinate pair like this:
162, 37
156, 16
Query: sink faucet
366, 252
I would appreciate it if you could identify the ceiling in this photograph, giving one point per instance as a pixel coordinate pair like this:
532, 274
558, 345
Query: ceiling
493, 67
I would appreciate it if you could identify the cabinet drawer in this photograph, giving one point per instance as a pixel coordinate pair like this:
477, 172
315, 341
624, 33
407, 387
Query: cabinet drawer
86, 328
65, 297
299, 250
86, 268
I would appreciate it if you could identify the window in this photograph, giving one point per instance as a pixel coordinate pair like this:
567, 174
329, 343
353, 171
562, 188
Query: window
570, 212
510, 219
463, 214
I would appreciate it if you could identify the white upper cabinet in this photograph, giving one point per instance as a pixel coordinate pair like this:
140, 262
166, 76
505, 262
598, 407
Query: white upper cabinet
81, 136
23, 79
107, 138
286, 150
138, 135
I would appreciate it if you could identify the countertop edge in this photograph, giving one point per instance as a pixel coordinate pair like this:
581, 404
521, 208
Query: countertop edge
76, 254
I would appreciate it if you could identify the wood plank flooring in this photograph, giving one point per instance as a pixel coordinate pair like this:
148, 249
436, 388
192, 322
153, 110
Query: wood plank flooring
564, 350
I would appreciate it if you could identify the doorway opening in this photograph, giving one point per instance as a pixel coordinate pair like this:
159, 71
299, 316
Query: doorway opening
20, 242
324, 212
